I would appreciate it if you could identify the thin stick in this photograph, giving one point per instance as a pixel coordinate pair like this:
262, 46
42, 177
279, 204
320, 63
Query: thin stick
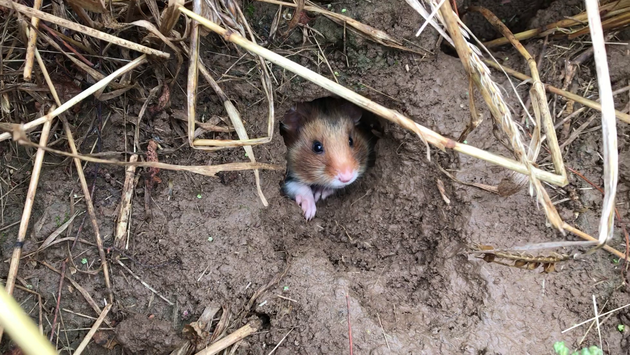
383, 330
49, 82
21, 328
144, 283
32, 41
238, 335
554, 90
75, 100
423, 132
81, 290
90, 208
280, 342
125, 204
207, 170
9, 225
54, 322
26, 212
349, 326
609, 128
93, 330
592, 319
82, 29
585, 236
599, 331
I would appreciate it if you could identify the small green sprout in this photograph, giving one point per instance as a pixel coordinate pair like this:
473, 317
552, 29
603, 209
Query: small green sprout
210, 239
621, 328
249, 10
465, 142
285, 288
84, 261
336, 73
343, 10
199, 195
615, 261
561, 349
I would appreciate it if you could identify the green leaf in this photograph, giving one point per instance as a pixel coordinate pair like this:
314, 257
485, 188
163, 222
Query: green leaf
84, 261
621, 327
560, 348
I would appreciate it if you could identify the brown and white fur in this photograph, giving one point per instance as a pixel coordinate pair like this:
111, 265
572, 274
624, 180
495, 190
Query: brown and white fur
329, 146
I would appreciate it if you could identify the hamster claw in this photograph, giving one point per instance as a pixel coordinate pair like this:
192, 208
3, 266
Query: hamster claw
327, 193
322, 193
308, 205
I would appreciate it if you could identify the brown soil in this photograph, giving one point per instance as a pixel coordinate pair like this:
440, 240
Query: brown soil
389, 246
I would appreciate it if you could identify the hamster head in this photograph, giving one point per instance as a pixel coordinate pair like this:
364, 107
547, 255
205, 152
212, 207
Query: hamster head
327, 148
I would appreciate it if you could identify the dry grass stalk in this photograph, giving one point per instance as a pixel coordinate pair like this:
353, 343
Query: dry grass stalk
124, 212
500, 111
82, 291
537, 95
21, 327
587, 237
554, 90
424, 133
90, 208
26, 212
82, 29
93, 330
53, 236
32, 41
80, 64
238, 335
236, 21
615, 12
362, 29
144, 283
170, 15
446, 12
233, 114
193, 75
91, 90
47, 78
609, 128
207, 170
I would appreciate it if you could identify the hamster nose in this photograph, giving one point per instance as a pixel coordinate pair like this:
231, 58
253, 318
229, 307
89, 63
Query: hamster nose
345, 176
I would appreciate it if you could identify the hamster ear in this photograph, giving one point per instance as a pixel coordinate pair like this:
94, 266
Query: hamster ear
292, 123
351, 110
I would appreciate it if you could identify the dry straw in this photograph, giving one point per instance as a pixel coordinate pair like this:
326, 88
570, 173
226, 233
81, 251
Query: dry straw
477, 70
21, 328
239, 24
491, 94
609, 128
424, 133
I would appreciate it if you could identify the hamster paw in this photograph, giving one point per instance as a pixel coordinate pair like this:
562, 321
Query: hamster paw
307, 202
322, 193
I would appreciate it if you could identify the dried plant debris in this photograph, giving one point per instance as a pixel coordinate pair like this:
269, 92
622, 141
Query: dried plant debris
519, 260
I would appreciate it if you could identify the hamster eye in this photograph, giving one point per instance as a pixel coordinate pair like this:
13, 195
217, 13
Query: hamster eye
350, 141
318, 148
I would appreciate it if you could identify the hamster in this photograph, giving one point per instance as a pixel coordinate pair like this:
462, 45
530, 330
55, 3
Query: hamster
330, 144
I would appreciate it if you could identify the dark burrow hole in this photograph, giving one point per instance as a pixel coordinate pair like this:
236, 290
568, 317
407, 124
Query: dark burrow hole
515, 14
265, 319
